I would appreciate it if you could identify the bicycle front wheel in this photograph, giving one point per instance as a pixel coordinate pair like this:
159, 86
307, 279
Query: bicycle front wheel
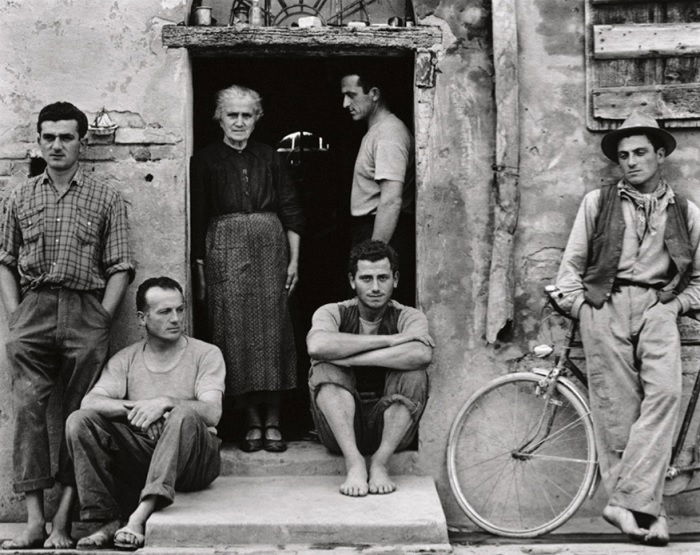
519, 466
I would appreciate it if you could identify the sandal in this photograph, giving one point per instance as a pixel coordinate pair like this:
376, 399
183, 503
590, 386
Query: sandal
122, 541
273, 445
251, 445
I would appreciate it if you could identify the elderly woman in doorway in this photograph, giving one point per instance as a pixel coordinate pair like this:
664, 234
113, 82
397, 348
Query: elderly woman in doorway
246, 225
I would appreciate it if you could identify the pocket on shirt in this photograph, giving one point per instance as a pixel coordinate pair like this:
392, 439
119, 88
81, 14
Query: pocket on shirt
87, 227
31, 224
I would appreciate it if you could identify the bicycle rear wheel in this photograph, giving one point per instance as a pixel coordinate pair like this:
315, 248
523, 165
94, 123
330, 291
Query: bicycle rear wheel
506, 487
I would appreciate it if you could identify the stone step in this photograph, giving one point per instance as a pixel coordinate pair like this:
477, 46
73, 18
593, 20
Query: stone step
302, 510
302, 458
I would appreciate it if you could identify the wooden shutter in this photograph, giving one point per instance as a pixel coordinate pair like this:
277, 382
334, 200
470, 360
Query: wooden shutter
642, 55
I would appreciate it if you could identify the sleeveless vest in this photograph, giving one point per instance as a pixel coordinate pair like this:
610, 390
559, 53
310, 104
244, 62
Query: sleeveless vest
605, 248
350, 319
371, 380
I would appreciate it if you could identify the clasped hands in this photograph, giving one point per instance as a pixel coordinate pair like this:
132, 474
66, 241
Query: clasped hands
149, 415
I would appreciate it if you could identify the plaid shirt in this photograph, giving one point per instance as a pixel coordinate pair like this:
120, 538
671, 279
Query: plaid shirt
77, 239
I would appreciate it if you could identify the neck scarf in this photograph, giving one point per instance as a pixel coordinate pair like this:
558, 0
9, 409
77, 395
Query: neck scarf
647, 206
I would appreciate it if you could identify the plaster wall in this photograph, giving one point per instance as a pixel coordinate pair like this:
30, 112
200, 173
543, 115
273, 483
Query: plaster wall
454, 220
101, 54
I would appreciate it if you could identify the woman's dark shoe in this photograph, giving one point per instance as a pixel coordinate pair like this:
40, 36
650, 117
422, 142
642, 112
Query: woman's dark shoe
273, 445
251, 445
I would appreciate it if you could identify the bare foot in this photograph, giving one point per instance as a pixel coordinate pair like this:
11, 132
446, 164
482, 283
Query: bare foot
355, 484
100, 538
624, 520
658, 532
379, 480
59, 538
32, 536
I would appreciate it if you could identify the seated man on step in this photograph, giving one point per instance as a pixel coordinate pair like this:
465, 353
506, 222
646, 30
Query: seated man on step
148, 423
368, 381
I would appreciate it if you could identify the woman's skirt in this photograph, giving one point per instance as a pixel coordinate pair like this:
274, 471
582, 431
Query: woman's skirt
246, 270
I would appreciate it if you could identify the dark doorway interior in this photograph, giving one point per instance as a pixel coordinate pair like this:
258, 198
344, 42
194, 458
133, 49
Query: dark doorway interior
302, 94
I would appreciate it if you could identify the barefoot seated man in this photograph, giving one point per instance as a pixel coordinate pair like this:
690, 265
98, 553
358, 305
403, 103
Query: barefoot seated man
630, 268
148, 423
368, 344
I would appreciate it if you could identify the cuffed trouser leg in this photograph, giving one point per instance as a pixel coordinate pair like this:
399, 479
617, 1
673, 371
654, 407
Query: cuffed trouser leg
109, 457
320, 375
408, 388
55, 335
632, 349
186, 457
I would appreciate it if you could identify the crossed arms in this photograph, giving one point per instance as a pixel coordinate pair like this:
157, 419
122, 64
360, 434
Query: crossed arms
401, 351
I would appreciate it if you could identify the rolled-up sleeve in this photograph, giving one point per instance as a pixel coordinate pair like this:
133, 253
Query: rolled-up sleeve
289, 211
575, 258
117, 255
10, 235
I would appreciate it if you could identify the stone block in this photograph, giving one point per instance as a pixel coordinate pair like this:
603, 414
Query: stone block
281, 510
302, 458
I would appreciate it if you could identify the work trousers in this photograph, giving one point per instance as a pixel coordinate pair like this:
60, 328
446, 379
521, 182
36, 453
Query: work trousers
117, 466
633, 358
409, 388
56, 336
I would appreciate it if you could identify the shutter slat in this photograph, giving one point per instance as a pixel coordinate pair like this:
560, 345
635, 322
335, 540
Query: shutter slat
646, 40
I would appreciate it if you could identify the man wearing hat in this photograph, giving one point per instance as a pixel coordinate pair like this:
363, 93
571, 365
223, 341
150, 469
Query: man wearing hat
630, 268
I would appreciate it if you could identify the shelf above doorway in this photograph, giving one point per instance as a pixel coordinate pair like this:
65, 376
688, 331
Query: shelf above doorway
315, 41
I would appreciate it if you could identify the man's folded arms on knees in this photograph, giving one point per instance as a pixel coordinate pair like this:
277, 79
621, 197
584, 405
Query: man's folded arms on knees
147, 427
368, 346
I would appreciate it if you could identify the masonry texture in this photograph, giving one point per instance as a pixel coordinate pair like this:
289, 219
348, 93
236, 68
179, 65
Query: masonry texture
109, 54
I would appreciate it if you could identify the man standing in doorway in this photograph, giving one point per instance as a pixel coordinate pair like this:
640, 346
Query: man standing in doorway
630, 268
368, 382
65, 264
382, 196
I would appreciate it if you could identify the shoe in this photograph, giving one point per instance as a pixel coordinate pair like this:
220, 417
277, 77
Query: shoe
273, 445
252, 445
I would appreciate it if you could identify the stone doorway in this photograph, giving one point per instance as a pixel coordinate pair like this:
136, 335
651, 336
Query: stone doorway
219, 54
302, 95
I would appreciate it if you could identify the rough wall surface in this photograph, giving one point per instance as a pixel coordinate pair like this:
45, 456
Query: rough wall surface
100, 54
454, 216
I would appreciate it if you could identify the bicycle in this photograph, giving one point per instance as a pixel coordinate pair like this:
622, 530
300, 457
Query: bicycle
521, 455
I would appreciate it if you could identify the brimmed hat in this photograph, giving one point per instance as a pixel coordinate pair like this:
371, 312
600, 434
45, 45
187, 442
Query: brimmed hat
637, 121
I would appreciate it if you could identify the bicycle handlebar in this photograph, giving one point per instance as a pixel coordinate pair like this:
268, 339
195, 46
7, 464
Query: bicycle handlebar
553, 293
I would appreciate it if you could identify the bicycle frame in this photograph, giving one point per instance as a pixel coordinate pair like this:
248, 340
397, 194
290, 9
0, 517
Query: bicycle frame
548, 384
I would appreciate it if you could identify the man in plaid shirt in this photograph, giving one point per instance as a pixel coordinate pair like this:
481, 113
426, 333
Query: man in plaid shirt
65, 264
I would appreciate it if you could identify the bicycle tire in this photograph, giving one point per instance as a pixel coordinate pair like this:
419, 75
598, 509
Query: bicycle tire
498, 489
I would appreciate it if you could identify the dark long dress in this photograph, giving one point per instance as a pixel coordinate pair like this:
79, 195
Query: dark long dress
242, 204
